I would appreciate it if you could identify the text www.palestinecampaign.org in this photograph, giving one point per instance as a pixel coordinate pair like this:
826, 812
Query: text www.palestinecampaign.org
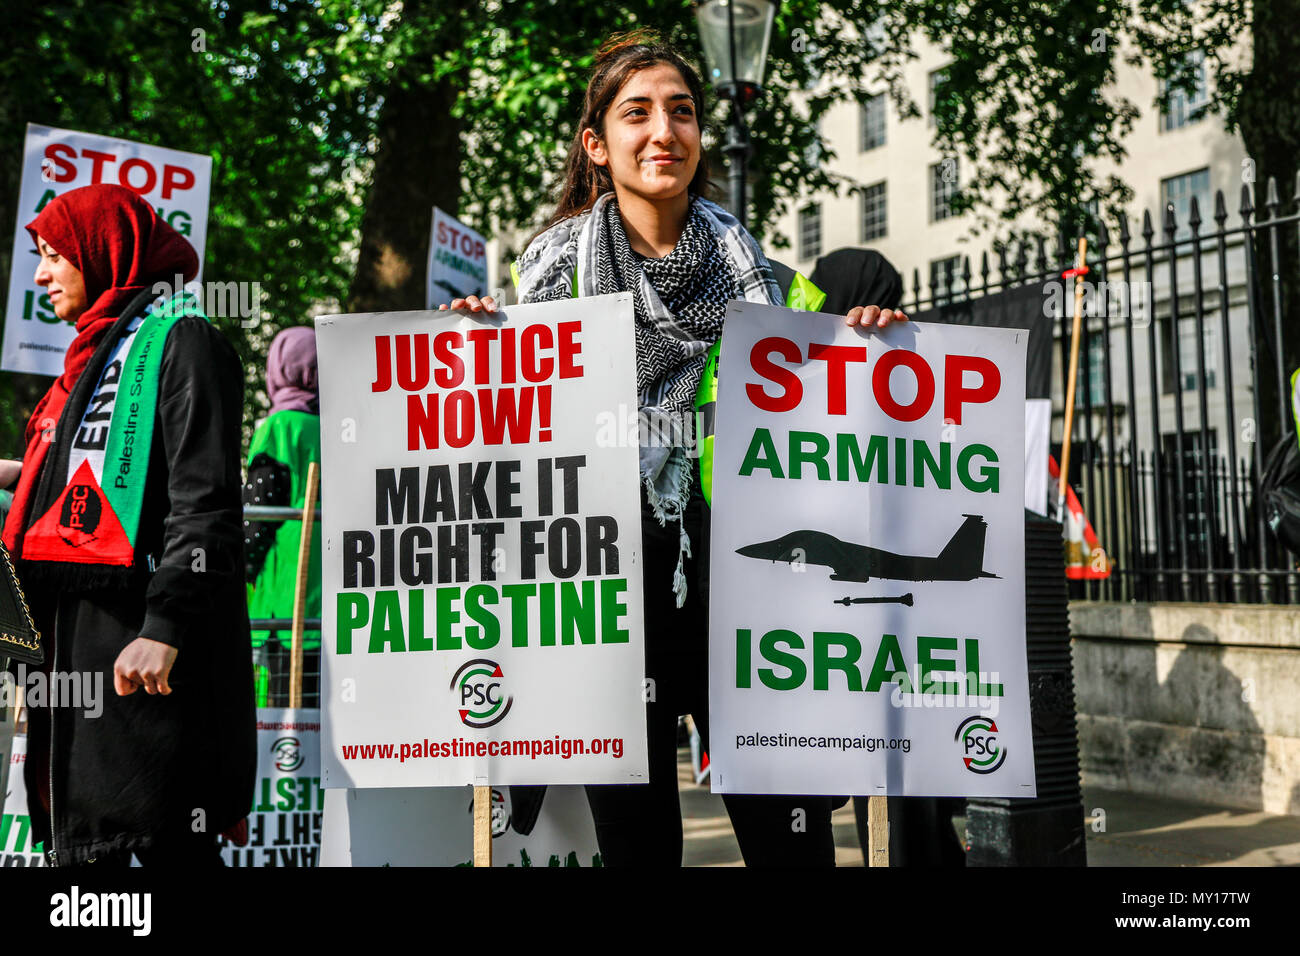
562, 747
806, 741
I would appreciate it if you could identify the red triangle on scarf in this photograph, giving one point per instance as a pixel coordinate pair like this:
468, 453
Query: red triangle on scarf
80, 527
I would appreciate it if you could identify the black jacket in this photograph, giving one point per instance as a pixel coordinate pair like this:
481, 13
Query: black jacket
158, 769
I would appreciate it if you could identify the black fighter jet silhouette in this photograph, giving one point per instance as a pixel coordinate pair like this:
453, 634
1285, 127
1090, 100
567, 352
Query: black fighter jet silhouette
960, 560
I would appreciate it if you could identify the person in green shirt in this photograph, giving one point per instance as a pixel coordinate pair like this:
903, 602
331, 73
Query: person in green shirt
284, 445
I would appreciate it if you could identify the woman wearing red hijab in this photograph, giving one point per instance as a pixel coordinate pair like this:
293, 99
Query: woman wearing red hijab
127, 534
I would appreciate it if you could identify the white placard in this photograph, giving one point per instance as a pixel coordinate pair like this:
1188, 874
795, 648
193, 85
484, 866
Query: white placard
434, 827
8, 726
482, 572
16, 847
867, 580
1038, 448
284, 823
457, 261
55, 161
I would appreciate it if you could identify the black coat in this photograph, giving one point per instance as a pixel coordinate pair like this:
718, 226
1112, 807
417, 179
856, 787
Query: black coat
156, 769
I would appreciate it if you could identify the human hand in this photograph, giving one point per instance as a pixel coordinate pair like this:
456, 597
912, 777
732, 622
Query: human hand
9, 472
868, 315
473, 303
143, 663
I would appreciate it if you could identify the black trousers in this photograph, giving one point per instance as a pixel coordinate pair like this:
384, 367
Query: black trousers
641, 824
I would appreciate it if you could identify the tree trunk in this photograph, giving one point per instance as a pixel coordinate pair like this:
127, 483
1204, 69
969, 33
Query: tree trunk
417, 167
1269, 116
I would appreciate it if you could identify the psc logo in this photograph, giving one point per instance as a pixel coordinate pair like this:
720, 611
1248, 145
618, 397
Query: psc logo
80, 515
288, 754
479, 695
980, 749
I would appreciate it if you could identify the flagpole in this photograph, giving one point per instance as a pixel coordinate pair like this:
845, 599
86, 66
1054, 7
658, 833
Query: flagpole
300, 589
1080, 270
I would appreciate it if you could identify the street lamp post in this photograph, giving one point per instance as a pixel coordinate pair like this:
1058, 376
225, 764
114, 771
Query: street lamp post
735, 35
736, 148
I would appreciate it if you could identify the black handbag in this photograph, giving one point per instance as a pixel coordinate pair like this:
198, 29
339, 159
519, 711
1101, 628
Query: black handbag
1280, 491
19, 639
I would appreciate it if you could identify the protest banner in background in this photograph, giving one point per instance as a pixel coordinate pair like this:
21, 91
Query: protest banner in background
8, 729
16, 846
867, 580
284, 823
482, 570
433, 827
56, 161
1038, 446
457, 261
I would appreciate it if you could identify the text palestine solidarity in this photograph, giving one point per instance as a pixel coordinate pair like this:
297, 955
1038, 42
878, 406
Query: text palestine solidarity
460, 747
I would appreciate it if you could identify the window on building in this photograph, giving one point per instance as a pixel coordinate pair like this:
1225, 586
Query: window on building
874, 212
937, 79
875, 37
943, 188
873, 122
1183, 105
1090, 385
810, 231
1178, 192
1189, 520
813, 154
1188, 361
945, 279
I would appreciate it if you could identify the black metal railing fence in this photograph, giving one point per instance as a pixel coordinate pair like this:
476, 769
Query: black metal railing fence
1167, 447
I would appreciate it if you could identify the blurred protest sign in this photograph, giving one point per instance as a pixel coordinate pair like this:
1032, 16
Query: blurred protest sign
457, 261
284, 824
56, 161
16, 846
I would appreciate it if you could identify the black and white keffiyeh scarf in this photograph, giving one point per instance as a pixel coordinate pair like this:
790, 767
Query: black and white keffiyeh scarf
680, 301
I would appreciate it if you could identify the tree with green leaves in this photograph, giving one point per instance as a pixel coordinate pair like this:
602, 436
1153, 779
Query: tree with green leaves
1028, 102
515, 76
265, 90
336, 127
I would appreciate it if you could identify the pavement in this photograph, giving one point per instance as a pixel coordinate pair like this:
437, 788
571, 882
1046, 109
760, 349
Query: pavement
1123, 829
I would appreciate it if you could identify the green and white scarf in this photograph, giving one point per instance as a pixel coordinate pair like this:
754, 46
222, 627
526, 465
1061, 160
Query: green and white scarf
92, 486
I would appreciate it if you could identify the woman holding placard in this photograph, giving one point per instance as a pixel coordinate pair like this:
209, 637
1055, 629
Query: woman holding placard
633, 211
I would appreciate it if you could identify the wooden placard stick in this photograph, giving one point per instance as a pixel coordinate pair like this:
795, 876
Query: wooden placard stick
300, 590
482, 826
877, 831
1077, 273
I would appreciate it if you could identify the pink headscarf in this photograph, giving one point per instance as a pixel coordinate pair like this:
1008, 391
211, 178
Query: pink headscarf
291, 371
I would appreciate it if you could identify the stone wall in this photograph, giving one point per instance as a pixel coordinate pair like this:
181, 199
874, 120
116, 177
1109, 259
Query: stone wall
1198, 701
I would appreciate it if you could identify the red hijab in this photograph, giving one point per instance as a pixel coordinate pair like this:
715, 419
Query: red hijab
121, 247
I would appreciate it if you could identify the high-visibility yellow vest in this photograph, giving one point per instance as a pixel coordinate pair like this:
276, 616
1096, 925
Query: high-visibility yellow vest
801, 295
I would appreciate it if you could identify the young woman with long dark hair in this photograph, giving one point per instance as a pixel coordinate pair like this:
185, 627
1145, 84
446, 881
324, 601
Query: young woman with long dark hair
633, 216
